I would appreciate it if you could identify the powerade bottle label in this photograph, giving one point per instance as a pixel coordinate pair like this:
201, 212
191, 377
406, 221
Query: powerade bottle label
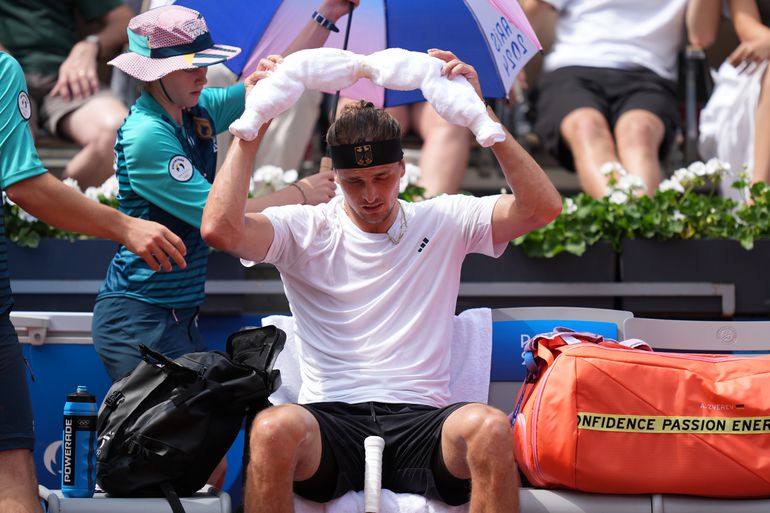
78, 476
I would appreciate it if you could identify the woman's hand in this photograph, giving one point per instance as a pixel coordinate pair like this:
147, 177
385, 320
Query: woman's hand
318, 188
265, 68
748, 52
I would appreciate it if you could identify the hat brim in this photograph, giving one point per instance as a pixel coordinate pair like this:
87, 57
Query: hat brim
148, 69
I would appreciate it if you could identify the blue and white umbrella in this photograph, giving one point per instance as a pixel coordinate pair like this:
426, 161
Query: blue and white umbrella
492, 35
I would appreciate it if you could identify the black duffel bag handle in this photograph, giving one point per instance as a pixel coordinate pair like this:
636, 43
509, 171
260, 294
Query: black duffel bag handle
168, 366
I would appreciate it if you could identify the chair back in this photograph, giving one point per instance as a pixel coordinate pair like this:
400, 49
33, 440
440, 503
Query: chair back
707, 336
616, 317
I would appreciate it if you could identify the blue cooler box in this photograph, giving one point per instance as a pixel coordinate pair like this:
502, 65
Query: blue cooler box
61, 356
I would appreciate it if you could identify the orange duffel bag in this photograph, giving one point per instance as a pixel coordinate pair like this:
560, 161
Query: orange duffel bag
598, 416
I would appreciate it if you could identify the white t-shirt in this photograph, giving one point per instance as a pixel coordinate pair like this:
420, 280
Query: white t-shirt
373, 318
618, 34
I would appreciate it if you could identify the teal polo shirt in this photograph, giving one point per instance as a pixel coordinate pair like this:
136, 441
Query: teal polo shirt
164, 172
18, 158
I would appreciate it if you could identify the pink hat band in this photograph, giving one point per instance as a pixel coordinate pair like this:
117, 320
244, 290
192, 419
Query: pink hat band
168, 39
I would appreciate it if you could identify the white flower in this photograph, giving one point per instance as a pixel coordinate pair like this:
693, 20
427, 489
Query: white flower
26, 216
92, 193
72, 183
715, 166
671, 185
630, 183
678, 216
569, 206
412, 172
271, 178
267, 174
290, 176
697, 168
109, 189
618, 197
411, 176
684, 176
611, 168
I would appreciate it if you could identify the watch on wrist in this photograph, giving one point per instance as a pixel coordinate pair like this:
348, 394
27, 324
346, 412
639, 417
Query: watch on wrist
94, 39
324, 21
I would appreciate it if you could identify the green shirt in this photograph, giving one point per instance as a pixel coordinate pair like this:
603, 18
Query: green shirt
165, 171
41, 33
18, 158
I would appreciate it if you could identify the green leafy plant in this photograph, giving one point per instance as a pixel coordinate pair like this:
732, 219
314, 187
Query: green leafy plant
686, 206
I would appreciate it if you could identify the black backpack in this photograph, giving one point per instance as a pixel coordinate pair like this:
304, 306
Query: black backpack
163, 429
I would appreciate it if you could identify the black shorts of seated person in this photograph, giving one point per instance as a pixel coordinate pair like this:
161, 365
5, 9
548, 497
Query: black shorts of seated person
411, 463
610, 91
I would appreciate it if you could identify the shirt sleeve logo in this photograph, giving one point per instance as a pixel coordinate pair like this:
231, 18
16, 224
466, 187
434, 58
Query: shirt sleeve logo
180, 168
25, 107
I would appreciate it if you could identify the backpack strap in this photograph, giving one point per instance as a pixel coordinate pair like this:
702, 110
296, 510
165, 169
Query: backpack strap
169, 366
524, 392
636, 343
172, 497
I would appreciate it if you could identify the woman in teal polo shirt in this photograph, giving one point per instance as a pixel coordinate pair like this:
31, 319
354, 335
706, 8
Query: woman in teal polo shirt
165, 158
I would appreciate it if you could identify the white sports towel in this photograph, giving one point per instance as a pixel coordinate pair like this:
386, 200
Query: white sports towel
331, 69
469, 381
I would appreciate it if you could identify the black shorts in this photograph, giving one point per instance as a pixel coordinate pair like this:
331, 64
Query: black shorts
16, 431
412, 461
610, 91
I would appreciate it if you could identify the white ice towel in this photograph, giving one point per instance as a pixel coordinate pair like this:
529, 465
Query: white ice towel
330, 69
469, 381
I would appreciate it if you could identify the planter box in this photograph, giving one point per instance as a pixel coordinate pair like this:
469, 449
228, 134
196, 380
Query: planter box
715, 261
266, 303
56, 259
597, 264
223, 266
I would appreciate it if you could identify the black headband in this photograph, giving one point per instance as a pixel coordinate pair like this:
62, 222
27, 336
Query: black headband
366, 154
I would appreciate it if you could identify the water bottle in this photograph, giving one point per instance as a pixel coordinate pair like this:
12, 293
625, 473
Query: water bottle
78, 475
